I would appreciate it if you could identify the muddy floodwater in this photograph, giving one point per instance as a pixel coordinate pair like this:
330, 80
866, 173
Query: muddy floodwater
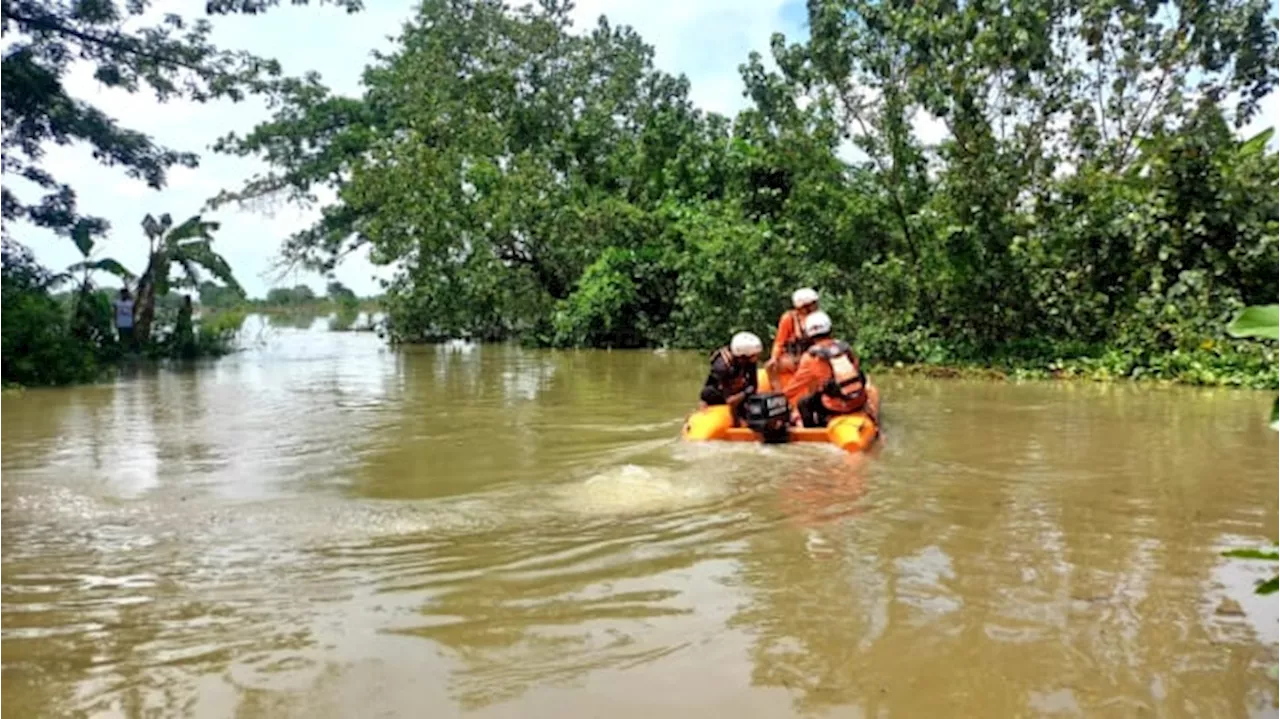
320, 526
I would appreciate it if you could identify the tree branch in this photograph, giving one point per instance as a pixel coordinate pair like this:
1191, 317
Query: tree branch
899, 206
49, 25
1127, 144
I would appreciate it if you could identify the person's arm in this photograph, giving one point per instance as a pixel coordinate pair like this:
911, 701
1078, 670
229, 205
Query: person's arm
872, 407
713, 388
807, 375
748, 389
711, 392
786, 330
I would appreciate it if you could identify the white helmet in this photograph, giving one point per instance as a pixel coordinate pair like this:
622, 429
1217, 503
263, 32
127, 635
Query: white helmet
817, 323
745, 344
804, 296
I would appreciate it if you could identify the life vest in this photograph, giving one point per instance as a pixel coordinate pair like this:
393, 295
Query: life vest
800, 342
847, 388
738, 380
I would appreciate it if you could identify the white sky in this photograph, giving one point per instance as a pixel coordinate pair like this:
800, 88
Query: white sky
706, 40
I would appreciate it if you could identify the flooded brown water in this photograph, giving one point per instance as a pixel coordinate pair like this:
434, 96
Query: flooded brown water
323, 527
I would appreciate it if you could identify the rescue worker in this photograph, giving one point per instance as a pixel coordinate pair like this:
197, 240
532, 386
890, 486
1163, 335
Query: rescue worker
829, 380
733, 372
791, 340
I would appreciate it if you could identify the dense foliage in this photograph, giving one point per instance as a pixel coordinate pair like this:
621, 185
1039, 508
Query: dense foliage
56, 337
39, 345
1091, 207
285, 296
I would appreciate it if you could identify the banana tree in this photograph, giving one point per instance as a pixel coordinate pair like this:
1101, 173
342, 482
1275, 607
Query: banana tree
190, 247
82, 272
1261, 321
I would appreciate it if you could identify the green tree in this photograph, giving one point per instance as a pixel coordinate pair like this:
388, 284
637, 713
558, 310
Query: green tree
216, 296
172, 59
291, 296
1088, 208
1024, 89
524, 121
340, 293
190, 247
93, 317
37, 347
348, 305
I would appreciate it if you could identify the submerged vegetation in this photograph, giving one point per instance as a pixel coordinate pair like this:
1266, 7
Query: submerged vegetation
49, 337
53, 337
1089, 208
57, 339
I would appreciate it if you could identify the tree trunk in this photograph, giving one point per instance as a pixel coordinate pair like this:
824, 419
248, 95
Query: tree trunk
144, 311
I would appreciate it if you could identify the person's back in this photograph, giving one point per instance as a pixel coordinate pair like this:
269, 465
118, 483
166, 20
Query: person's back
811, 373
790, 340
829, 380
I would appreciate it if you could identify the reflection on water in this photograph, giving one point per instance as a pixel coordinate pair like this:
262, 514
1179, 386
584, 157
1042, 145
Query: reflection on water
321, 526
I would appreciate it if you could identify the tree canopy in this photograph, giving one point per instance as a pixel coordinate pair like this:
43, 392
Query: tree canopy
1090, 197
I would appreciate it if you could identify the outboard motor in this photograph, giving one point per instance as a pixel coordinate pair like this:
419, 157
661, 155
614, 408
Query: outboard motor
767, 415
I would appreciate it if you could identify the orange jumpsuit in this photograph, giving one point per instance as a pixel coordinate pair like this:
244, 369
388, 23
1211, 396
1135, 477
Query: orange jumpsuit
814, 373
811, 376
790, 329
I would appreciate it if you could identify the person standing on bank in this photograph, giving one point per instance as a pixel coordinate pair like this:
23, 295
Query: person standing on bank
123, 306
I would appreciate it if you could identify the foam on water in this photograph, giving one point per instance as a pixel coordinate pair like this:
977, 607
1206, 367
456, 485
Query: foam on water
631, 488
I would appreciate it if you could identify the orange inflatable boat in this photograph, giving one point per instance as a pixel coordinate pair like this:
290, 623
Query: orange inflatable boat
851, 432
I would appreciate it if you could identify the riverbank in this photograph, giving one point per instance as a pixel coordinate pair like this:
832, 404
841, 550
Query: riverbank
1203, 369
1215, 363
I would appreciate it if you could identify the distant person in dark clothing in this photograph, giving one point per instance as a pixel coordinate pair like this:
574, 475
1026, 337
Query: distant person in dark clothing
184, 331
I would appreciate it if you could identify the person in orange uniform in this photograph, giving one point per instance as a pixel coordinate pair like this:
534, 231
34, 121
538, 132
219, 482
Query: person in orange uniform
829, 380
791, 341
